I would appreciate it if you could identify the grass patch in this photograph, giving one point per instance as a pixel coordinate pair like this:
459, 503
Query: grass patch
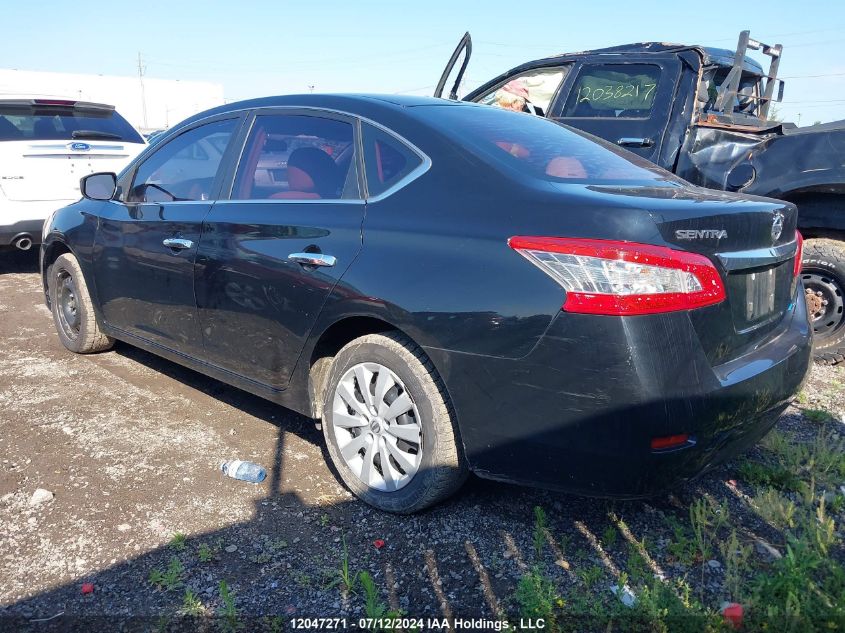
775, 476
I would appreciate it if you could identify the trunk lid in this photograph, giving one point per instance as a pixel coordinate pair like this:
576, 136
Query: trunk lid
752, 243
51, 170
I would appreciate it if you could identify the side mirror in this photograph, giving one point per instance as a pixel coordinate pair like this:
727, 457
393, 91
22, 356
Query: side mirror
100, 186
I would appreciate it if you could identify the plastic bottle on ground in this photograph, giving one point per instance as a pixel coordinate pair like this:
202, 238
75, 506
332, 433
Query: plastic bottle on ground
245, 471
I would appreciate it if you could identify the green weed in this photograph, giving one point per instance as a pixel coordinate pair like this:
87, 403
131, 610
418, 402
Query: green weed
191, 605
374, 607
609, 536
537, 597
228, 612
178, 542
169, 579
591, 575
540, 528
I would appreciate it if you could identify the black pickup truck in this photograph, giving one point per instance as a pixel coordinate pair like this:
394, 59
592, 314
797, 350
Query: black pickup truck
704, 114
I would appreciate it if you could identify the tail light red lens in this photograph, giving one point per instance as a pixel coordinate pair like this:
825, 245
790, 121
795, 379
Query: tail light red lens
799, 253
623, 278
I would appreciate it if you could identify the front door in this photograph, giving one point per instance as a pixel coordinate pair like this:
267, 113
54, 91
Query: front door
147, 240
628, 103
271, 254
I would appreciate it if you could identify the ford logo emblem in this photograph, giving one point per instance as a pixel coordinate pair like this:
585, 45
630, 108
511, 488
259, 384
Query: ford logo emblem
80, 147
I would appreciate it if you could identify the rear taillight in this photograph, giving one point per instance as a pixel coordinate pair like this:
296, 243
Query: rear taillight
623, 278
799, 253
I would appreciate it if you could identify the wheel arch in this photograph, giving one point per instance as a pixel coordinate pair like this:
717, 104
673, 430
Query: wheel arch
50, 253
331, 339
821, 210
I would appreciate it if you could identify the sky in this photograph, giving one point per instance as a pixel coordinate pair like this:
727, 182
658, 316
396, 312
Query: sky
259, 48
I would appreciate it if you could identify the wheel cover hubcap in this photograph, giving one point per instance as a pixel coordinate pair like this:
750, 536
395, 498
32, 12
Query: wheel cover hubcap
377, 427
825, 303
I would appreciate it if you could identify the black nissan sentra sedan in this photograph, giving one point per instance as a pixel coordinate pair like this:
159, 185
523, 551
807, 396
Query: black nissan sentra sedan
449, 288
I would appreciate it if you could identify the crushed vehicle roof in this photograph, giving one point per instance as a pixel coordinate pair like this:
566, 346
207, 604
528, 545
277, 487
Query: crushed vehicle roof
710, 55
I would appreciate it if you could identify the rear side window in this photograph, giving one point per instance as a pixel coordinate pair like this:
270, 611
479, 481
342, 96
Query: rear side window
297, 157
387, 159
539, 147
183, 168
613, 91
43, 123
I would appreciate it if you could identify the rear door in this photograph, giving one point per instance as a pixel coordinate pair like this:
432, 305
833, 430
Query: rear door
147, 241
272, 252
626, 102
46, 146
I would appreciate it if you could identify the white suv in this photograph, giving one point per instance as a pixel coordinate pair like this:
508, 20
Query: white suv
46, 146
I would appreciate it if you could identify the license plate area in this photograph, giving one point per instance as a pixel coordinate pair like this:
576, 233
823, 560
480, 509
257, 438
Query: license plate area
759, 296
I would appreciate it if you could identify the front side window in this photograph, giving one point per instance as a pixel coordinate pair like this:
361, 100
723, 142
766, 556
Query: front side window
621, 91
530, 92
184, 168
297, 157
387, 160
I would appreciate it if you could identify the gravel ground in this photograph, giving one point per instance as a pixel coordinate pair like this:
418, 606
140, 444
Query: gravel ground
130, 445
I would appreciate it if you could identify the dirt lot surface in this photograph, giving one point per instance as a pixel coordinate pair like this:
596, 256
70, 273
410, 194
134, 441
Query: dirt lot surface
129, 445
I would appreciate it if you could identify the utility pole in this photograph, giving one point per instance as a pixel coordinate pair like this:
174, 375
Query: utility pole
141, 71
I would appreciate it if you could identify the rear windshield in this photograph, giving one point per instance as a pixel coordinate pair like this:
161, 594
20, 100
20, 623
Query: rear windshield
27, 123
538, 147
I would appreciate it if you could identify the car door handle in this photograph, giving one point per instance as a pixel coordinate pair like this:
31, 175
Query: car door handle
177, 243
313, 259
630, 141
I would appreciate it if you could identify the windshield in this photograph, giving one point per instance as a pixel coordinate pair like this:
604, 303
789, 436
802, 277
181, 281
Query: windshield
44, 123
541, 148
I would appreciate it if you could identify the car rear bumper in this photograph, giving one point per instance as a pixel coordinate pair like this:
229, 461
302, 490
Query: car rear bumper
11, 233
579, 412
25, 217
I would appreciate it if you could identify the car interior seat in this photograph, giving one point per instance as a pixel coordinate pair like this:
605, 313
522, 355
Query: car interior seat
312, 173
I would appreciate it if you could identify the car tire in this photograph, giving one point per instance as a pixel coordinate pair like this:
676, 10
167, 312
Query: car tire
425, 461
73, 312
823, 274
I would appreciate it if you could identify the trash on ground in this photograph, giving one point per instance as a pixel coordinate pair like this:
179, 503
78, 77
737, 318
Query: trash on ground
40, 496
245, 471
732, 612
626, 596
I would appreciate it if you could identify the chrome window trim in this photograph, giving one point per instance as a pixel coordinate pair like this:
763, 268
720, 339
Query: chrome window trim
415, 173
291, 201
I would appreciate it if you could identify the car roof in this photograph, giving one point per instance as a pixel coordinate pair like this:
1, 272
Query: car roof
364, 105
709, 55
